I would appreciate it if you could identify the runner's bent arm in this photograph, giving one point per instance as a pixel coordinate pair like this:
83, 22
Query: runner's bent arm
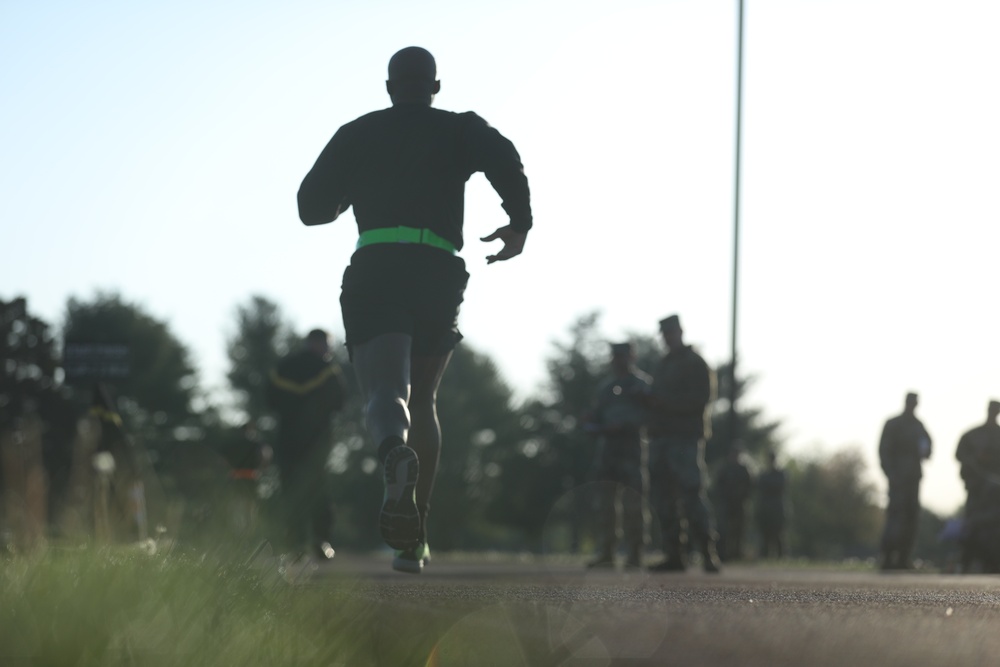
323, 193
494, 155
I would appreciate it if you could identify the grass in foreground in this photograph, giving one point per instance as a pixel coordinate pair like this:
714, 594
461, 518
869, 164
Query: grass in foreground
90, 607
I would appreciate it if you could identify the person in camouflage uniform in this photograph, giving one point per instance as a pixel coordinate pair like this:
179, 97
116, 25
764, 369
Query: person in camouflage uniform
905, 443
618, 417
305, 390
978, 453
683, 389
733, 487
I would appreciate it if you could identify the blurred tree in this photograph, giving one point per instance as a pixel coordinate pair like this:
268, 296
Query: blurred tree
28, 361
543, 477
29, 387
833, 509
156, 398
757, 434
262, 337
544, 473
476, 413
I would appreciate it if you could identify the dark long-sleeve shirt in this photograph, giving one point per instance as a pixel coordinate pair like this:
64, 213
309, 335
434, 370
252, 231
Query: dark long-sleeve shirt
904, 443
683, 388
407, 166
305, 391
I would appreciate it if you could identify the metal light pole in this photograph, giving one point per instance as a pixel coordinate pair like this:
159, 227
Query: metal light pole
733, 418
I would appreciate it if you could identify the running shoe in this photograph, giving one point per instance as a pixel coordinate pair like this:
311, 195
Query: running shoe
412, 560
323, 551
399, 520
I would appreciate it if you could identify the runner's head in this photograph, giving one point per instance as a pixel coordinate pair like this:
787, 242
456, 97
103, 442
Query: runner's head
412, 77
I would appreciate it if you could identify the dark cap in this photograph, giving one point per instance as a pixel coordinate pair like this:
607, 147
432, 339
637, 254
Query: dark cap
671, 322
994, 405
622, 349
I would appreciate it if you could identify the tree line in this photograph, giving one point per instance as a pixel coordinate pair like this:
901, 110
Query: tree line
513, 475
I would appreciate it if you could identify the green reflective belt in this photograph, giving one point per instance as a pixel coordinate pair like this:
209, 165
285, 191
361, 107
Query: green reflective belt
404, 235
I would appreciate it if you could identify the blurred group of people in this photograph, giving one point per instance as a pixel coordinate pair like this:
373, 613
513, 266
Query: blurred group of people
904, 445
737, 489
71, 470
653, 427
304, 391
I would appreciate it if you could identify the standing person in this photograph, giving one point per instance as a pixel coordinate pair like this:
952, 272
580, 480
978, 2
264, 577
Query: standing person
905, 443
248, 456
683, 390
404, 170
120, 477
305, 390
618, 418
978, 453
733, 486
771, 487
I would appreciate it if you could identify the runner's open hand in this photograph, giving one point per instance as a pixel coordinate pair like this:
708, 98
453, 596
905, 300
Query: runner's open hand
513, 243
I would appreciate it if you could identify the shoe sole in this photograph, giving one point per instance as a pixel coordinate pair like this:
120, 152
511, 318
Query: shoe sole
409, 566
399, 520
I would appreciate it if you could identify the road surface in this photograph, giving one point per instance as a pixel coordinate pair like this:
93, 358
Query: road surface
480, 612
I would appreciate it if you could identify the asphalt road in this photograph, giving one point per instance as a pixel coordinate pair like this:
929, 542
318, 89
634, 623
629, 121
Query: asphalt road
482, 612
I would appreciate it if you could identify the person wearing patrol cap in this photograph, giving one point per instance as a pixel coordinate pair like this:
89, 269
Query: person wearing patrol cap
618, 418
732, 487
305, 390
978, 453
904, 444
679, 424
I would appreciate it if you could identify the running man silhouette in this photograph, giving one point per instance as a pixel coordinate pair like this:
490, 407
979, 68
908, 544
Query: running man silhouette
404, 170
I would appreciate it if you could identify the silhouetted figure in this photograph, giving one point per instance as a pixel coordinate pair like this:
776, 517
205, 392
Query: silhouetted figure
120, 507
683, 389
618, 417
733, 487
904, 445
978, 453
247, 456
60, 415
771, 488
305, 390
404, 169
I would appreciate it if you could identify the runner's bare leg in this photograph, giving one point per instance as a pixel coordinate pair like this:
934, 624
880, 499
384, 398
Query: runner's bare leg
425, 430
383, 369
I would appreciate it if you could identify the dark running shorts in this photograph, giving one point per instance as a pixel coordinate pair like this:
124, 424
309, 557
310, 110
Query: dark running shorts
404, 288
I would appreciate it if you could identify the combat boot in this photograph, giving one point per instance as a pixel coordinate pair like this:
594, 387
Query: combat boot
674, 562
709, 559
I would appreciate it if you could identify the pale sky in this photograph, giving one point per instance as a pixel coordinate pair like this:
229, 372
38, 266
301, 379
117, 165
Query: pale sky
156, 148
